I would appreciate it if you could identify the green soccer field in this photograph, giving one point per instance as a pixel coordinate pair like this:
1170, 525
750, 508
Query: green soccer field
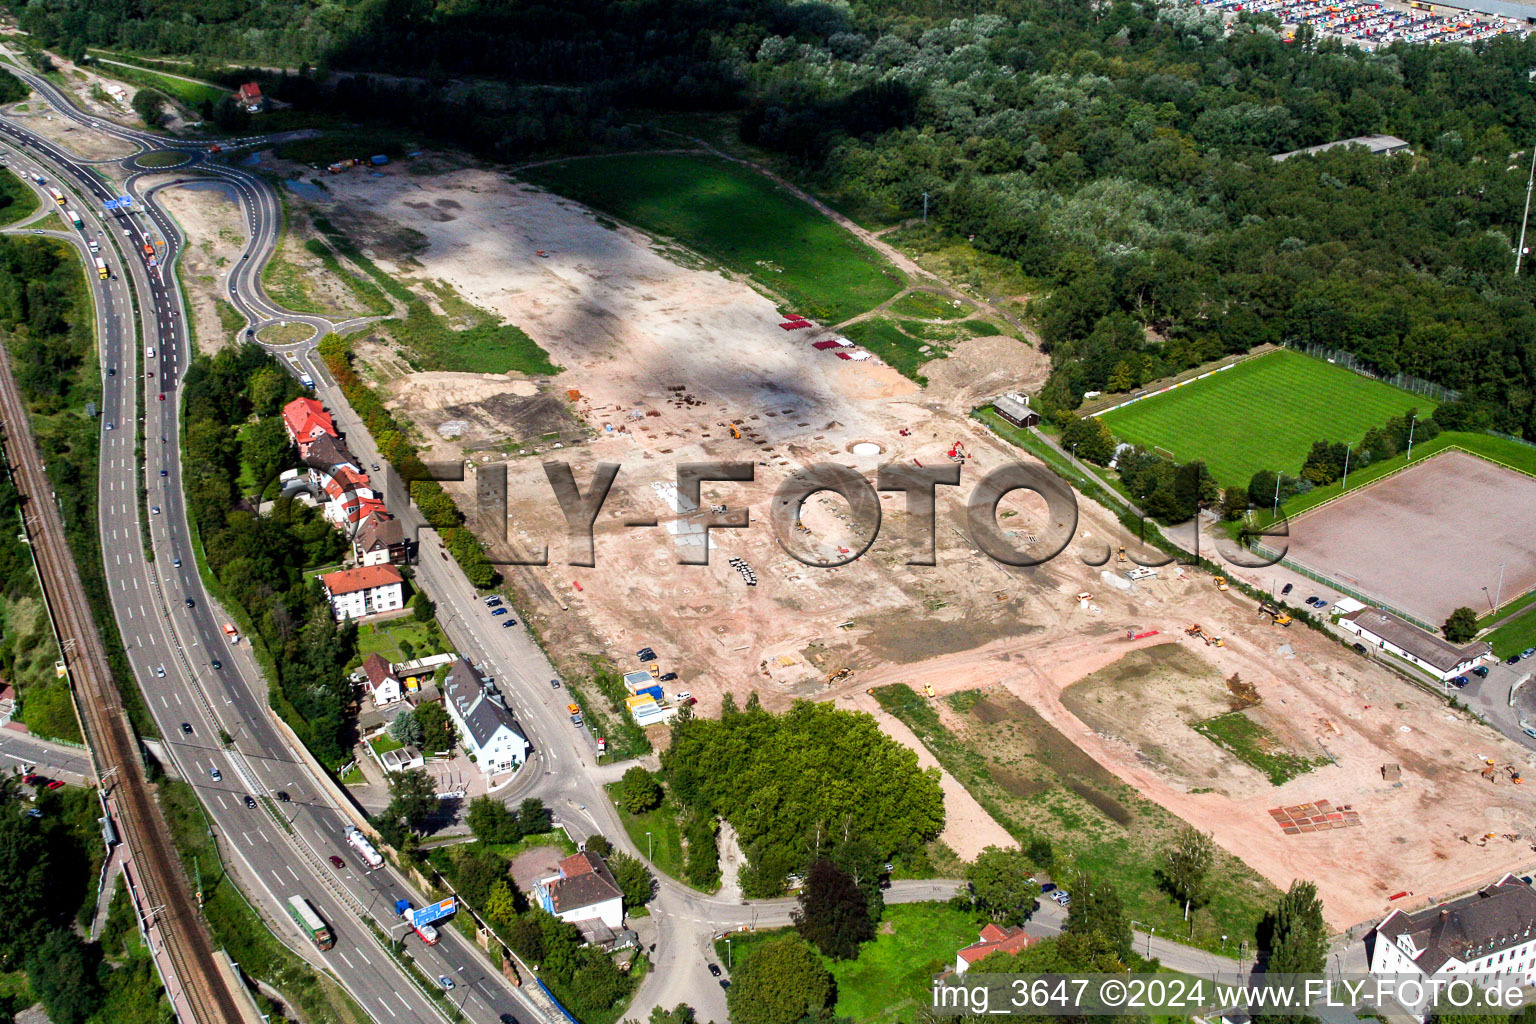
1262, 414
739, 218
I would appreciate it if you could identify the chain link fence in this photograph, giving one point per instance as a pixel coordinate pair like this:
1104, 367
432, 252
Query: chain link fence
1328, 581
1353, 363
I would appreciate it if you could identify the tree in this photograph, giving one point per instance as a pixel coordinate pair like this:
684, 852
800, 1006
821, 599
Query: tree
475, 872
682, 1013
63, 973
422, 608
491, 822
599, 844
833, 914
437, 731
1461, 626
533, 816
1096, 909
501, 906
406, 728
1187, 864
150, 106
1001, 886
265, 447
1298, 937
1088, 438
639, 791
782, 982
412, 798
1234, 503
635, 880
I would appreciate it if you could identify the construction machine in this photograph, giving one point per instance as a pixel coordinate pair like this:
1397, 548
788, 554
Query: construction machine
1200, 634
839, 676
1221, 582
928, 689
735, 431
1280, 618
957, 453
1121, 556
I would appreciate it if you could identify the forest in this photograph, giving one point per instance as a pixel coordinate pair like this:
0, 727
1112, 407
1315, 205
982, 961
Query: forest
1117, 152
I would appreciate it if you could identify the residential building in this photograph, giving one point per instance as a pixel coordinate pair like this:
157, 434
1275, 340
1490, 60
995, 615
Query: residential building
1441, 658
584, 890
994, 939
305, 419
379, 540
368, 590
1378, 144
326, 451
249, 96
487, 728
1015, 408
1490, 934
382, 681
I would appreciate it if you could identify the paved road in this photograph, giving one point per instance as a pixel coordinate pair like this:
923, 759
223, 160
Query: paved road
54, 760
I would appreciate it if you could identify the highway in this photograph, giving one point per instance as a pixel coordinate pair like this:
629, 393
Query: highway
173, 645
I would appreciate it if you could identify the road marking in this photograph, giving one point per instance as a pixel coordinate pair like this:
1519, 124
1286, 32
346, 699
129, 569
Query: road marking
391, 1012
402, 1000
350, 965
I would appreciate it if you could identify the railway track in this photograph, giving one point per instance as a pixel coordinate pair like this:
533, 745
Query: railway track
165, 895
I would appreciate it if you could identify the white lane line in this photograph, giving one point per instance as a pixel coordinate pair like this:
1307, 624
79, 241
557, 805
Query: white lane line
348, 960
402, 1000
391, 1012
292, 872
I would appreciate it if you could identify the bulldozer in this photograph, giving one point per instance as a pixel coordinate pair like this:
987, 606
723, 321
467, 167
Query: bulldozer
1121, 556
928, 689
1221, 582
1280, 618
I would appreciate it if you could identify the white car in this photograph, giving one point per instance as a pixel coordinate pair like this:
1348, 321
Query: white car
154, 509
160, 671
216, 775
682, 696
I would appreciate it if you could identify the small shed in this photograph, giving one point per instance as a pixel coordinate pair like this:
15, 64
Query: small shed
1015, 408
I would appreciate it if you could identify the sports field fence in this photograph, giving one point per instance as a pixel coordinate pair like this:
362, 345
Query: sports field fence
1326, 580
1351, 362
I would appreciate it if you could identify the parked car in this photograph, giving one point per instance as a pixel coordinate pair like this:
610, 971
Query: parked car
554, 684
648, 656
1460, 681
498, 611
1062, 897
714, 970
186, 728
1527, 653
667, 677
30, 779
1286, 589
492, 601
509, 624
1513, 659
248, 801
1359, 647
1481, 671
685, 695
1046, 887
216, 775
1311, 601
33, 812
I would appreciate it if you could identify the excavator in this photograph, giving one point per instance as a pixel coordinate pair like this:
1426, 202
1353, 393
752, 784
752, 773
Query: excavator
1221, 582
839, 676
1281, 618
1200, 634
735, 431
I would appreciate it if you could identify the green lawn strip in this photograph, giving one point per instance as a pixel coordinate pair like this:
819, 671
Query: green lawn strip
17, 200
928, 306
230, 318
666, 834
383, 743
368, 293
488, 348
898, 349
1514, 636
1509, 608
236, 926
191, 93
1256, 746
161, 158
738, 218
386, 637
283, 279
1090, 819
1263, 413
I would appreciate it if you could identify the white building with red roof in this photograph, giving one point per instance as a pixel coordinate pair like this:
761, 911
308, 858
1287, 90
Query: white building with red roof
368, 590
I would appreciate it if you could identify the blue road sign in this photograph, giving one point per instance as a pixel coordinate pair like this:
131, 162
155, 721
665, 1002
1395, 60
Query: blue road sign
120, 203
433, 912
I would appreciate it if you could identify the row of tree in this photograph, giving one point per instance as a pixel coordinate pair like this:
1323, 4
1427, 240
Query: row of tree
232, 420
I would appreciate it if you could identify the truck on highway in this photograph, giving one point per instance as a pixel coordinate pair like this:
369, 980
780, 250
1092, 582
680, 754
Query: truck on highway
425, 932
39, 179
58, 196
231, 632
364, 848
309, 922
101, 268
74, 218
306, 380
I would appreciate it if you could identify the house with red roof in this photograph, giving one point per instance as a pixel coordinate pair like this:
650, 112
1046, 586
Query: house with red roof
368, 590
994, 939
305, 420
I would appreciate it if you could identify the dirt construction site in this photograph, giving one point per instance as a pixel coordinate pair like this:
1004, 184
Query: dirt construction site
666, 363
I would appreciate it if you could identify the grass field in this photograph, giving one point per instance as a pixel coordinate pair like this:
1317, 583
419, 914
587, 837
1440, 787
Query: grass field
192, 93
887, 981
930, 306
1515, 635
17, 200
740, 219
666, 840
1263, 413
389, 637
162, 158
900, 350
1256, 746
1052, 796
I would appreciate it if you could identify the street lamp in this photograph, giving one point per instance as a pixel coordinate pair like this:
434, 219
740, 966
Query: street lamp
1499, 594
648, 847
1149, 941
1074, 451
1345, 485
727, 952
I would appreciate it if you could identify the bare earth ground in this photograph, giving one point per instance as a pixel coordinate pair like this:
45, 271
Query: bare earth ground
1428, 539
211, 218
630, 327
